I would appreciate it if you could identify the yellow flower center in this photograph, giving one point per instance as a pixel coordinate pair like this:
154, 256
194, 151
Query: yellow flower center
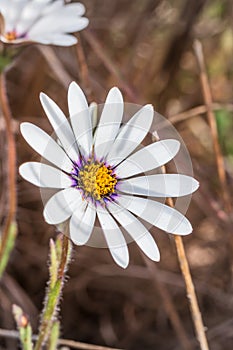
10, 35
97, 180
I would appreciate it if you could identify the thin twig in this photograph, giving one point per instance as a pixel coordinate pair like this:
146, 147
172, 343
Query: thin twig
212, 122
6, 333
9, 231
168, 305
191, 294
193, 112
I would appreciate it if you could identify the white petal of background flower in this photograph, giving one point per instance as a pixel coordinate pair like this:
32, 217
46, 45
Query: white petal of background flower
11, 11
42, 21
60, 125
136, 230
82, 223
58, 22
43, 175
114, 238
109, 123
54, 39
157, 214
30, 13
77, 8
61, 205
55, 5
160, 185
80, 118
43, 144
131, 135
148, 158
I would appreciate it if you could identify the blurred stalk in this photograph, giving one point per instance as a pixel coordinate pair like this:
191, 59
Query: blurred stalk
83, 67
59, 259
9, 231
9, 245
212, 123
24, 327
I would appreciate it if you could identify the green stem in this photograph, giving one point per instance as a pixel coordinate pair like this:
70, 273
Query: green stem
53, 295
9, 245
53, 339
9, 231
24, 327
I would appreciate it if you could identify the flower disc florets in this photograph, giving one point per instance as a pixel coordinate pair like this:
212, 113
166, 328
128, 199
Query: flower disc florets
10, 36
96, 180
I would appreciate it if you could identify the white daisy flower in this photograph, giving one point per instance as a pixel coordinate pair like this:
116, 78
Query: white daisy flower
100, 174
41, 21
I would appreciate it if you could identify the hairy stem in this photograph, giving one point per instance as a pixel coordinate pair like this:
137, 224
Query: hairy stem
54, 290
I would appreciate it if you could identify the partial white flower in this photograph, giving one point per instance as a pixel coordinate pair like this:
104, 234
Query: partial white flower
41, 21
99, 172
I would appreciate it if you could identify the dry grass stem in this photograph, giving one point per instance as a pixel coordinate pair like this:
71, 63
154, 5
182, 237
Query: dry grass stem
6, 333
193, 112
196, 314
168, 305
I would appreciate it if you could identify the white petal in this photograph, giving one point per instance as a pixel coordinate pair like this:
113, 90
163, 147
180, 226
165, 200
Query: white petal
31, 12
80, 118
157, 214
61, 205
43, 175
43, 144
58, 23
160, 185
53, 39
148, 158
60, 125
58, 6
114, 238
109, 123
53, 6
136, 230
82, 223
11, 13
131, 135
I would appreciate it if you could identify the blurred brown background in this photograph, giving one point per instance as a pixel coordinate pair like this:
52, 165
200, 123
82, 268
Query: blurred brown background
145, 47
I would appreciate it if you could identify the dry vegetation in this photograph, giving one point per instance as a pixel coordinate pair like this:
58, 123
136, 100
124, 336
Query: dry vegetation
145, 48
